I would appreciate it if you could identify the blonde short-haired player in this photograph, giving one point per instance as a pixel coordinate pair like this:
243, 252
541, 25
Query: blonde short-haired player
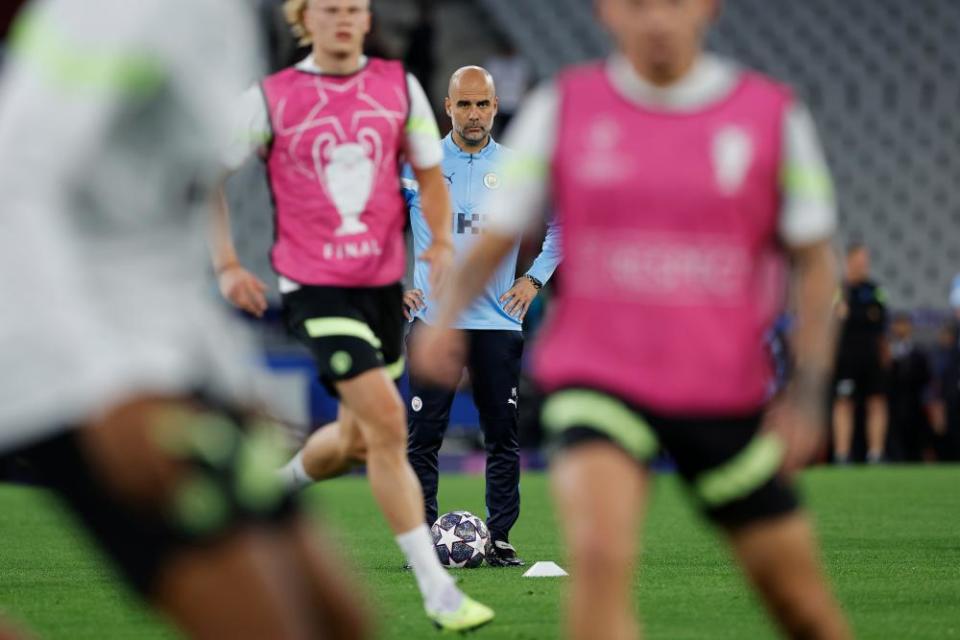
334, 130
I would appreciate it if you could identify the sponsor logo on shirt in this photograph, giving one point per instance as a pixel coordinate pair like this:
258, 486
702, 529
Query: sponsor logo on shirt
733, 152
662, 268
471, 223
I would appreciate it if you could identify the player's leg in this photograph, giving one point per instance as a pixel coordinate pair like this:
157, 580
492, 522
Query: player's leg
843, 405
843, 416
599, 485
494, 362
600, 492
306, 564
327, 321
333, 595
234, 589
329, 452
429, 416
186, 502
779, 556
8, 632
733, 470
877, 420
375, 403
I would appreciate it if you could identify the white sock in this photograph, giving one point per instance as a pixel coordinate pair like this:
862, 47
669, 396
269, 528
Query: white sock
294, 475
438, 589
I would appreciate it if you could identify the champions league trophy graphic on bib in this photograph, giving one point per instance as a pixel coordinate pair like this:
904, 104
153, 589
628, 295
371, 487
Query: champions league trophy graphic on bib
348, 171
339, 140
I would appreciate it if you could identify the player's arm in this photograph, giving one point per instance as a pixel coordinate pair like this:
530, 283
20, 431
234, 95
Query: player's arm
243, 289
438, 214
439, 351
425, 153
815, 272
413, 299
807, 224
249, 132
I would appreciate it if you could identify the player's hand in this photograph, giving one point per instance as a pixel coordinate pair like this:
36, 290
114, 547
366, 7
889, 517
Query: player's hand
516, 301
243, 289
437, 355
798, 419
412, 302
439, 256
843, 310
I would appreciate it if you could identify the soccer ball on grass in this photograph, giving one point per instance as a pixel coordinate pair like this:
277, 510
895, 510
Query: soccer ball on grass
460, 540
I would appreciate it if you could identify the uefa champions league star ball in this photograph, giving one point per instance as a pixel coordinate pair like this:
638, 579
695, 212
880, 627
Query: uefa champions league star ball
460, 539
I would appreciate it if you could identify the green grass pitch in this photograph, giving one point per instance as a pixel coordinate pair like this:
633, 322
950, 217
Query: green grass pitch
891, 540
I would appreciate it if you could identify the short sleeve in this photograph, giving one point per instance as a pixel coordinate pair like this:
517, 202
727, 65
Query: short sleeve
422, 133
809, 212
250, 128
525, 191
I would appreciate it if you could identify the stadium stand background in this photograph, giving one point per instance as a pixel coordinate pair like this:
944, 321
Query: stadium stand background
882, 79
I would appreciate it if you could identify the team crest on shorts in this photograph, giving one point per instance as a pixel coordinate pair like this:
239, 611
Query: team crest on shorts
341, 362
416, 403
491, 181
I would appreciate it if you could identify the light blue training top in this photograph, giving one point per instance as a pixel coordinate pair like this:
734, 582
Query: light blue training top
471, 177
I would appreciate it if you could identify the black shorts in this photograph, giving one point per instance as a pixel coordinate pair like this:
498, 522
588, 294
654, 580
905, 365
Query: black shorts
215, 498
859, 371
349, 331
730, 468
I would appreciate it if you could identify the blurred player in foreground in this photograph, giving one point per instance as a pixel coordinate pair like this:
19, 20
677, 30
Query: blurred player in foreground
472, 162
334, 129
122, 376
682, 184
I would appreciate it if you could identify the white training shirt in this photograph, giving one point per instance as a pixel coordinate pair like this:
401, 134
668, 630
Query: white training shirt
809, 212
111, 118
251, 123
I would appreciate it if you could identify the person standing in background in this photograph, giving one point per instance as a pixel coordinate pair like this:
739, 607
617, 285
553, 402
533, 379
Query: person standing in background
472, 165
946, 365
909, 435
862, 359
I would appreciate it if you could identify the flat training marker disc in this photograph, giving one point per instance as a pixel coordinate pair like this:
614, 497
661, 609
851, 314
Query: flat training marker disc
545, 570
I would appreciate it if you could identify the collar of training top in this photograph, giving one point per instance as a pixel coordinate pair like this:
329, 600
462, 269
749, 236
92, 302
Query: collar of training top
309, 64
451, 148
710, 80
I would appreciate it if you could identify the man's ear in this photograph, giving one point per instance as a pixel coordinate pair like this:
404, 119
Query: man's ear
448, 106
369, 26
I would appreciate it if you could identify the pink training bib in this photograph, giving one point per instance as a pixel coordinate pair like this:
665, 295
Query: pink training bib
672, 269
334, 174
